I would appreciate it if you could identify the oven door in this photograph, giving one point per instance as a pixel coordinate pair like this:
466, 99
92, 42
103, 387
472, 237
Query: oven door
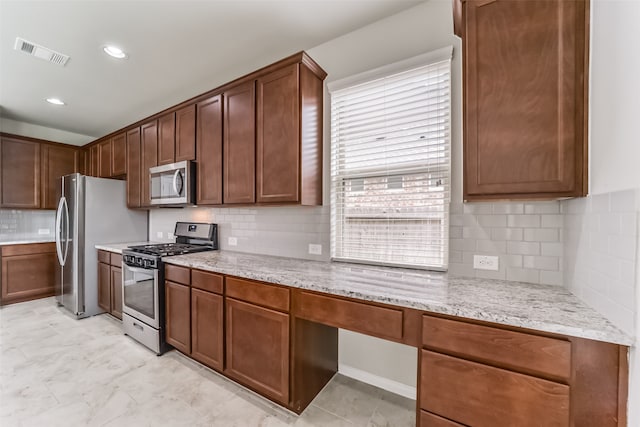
140, 294
170, 184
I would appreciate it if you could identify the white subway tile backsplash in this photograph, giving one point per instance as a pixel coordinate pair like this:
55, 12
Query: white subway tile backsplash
523, 220
500, 229
541, 234
542, 208
600, 262
523, 248
550, 263
551, 277
24, 224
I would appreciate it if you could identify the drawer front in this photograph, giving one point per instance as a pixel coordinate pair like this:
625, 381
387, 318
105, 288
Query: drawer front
258, 293
173, 273
206, 281
427, 419
513, 350
116, 259
359, 317
104, 256
28, 249
474, 394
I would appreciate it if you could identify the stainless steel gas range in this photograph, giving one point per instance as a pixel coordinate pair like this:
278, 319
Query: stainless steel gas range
143, 281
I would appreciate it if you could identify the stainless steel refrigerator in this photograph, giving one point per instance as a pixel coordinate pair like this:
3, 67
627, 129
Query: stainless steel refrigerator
90, 211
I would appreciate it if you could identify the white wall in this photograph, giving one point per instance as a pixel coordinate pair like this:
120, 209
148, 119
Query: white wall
42, 132
424, 28
614, 112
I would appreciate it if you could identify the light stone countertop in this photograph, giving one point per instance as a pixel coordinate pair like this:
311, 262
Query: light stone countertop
118, 247
27, 240
538, 307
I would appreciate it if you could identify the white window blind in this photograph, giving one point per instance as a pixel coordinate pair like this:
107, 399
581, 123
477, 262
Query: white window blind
390, 165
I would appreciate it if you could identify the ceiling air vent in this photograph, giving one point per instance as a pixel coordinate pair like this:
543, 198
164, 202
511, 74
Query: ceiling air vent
41, 52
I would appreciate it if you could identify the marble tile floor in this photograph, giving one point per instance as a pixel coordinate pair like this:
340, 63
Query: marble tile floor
58, 371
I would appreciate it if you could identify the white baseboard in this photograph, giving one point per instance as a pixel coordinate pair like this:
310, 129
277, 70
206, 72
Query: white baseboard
378, 381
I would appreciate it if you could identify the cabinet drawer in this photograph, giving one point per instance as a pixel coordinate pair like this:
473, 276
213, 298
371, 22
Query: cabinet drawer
359, 317
513, 350
177, 274
474, 394
427, 419
207, 281
28, 249
116, 259
258, 293
104, 256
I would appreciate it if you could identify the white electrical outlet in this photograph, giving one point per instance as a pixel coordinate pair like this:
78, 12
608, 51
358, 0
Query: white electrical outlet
159, 234
486, 262
233, 241
315, 249
43, 231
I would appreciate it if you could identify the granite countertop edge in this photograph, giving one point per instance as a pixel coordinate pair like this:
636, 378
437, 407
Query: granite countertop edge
120, 246
27, 241
607, 332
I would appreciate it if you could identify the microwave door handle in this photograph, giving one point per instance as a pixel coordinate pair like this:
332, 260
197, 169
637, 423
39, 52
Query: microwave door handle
176, 175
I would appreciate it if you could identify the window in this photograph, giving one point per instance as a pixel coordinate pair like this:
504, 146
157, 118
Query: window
390, 164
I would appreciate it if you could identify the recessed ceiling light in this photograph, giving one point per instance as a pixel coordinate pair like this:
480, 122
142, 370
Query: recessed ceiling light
55, 101
114, 51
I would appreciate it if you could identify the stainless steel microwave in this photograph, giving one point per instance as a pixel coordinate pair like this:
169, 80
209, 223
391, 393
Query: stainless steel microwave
174, 184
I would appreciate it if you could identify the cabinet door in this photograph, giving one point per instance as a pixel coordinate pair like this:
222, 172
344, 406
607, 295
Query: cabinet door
178, 319
258, 348
27, 277
524, 110
207, 333
94, 153
278, 136
57, 161
209, 149
186, 133
166, 139
134, 164
149, 133
116, 292
119, 155
86, 164
20, 174
104, 162
239, 148
104, 286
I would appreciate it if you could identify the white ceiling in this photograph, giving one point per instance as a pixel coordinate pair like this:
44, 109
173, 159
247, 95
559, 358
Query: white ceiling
177, 49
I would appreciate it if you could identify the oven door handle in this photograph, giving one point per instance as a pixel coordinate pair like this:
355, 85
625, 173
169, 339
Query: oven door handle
141, 270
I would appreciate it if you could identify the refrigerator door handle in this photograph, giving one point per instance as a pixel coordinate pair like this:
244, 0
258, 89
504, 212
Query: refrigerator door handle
66, 237
59, 231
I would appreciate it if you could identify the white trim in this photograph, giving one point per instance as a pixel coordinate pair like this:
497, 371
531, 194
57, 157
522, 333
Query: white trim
432, 57
378, 381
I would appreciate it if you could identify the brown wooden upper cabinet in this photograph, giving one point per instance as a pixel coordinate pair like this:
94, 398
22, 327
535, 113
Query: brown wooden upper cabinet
149, 147
134, 167
119, 154
105, 153
20, 175
525, 106
56, 162
239, 144
209, 149
177, 136
289, 134
94, 159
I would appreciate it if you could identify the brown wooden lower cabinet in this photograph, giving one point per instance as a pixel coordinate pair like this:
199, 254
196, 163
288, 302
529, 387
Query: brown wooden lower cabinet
258, 348
28, 272
178, 319
427, 419
283, 344
476, 394
207, 328
110, 283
